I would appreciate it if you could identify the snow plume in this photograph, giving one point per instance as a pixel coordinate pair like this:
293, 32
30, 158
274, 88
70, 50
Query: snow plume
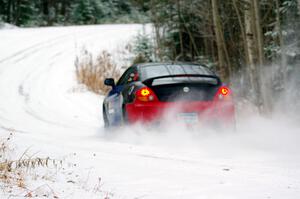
7, 26
286, 102
257, 141
280, 91
282, 75
275, 134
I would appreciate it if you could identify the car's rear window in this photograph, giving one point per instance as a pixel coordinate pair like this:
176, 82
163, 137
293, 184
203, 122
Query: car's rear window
148, 72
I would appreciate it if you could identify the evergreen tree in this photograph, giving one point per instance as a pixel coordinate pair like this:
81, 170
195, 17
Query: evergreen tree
53, 12
26, 13
143, 49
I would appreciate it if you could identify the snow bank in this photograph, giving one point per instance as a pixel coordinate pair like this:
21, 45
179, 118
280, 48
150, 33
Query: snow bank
7, 26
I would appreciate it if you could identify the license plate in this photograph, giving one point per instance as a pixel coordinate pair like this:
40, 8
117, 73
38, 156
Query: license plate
188, 118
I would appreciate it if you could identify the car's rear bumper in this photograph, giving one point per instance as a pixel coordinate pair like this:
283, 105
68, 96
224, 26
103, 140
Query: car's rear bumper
206, 112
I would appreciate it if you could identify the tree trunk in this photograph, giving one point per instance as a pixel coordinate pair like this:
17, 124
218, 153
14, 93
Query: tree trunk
252, 52
17, 12
299, 7
217, 29
265, 86
243, 32
63, 7
182, 54
280, 38
157, 30
260, 41
192, 40
46, 7
8, 12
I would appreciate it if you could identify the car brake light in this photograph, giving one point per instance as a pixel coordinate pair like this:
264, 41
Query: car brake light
145, 95
224, 93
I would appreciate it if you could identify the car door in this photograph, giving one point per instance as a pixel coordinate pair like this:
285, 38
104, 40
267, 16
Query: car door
114, 101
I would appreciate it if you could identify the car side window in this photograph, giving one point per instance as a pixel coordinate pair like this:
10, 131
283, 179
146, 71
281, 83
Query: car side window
128, 76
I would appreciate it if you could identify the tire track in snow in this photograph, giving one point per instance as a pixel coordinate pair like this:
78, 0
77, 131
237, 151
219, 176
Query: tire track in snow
37, 66
22, 54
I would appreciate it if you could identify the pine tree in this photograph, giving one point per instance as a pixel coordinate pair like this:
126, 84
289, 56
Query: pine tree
143, 49
26, 13
82, 12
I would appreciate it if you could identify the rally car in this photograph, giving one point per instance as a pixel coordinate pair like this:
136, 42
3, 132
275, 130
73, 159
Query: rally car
152, 93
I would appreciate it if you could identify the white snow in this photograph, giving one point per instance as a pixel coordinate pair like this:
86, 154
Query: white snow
41, 101
7, 26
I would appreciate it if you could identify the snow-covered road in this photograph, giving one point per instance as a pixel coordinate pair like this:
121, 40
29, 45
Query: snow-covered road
40, 101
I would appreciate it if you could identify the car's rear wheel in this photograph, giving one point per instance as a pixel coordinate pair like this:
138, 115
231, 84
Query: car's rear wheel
124, 115
105, 119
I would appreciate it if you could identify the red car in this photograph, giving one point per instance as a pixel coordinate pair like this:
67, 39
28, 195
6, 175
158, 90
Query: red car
157, 92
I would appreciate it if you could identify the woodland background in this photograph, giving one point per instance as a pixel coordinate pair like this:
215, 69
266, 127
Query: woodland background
254, 44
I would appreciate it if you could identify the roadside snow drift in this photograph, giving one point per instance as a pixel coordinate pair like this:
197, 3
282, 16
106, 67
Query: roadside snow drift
49, 113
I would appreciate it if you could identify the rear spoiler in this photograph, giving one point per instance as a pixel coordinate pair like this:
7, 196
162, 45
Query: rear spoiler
150, 80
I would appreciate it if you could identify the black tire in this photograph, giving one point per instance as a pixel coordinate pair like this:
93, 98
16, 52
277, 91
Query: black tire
105, 119
124, 116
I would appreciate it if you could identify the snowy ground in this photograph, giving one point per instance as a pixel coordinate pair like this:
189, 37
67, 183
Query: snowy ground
40, 101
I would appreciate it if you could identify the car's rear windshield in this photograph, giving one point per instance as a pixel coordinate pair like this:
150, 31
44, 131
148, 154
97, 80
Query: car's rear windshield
148, 72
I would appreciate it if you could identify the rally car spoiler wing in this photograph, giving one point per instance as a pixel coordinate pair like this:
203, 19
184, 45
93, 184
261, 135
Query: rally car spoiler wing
150, 80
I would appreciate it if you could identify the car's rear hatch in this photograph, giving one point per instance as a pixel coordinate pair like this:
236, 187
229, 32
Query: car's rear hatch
184, 88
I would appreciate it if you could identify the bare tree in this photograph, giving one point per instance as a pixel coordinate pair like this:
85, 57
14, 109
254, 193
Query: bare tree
253, 52
223, 59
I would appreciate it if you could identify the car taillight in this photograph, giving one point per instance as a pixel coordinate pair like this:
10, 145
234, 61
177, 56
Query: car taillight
224, 93
145, 95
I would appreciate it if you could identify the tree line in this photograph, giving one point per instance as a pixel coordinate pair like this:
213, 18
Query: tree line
68, 12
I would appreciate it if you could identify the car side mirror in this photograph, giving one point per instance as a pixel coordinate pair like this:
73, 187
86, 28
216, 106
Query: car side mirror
109, 82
